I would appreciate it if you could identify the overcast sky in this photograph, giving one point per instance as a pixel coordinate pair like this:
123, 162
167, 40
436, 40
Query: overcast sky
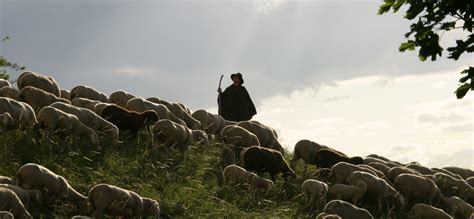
177, 50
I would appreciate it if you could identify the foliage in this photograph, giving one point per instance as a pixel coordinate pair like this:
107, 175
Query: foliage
432, 18
5, 64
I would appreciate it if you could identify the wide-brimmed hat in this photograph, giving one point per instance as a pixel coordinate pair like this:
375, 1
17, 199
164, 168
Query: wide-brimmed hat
237, 75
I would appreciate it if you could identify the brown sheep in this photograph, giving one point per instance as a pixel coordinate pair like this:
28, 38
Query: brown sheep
89, 93
10, 92
43, 82
22, 113
170, 134
38, 98
327, 158
127, 120
265, 135
260, 159
418, 189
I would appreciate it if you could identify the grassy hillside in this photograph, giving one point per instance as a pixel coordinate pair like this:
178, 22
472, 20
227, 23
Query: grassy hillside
186, 185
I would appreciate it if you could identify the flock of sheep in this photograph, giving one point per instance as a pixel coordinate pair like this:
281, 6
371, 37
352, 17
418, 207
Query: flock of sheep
89, 114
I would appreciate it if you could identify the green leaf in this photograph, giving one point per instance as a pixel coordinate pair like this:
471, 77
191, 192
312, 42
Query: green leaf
384, 8
409, 45
462, 90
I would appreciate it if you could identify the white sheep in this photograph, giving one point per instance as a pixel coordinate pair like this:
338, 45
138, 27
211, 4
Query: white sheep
211, 123
141, 105
376, 187
171, 134
234, 174
10, 92
56, 120
368, 160
40, 81
371, 169
315, 191
418, 189
7, 180
380, 167
396, 171
384, 159
6, 122
4, 83
470, 181
458, 208
89, 93
239, 137
116, 201
451, 186
421, 210
179, 112
343, 169
324, 215
66, 94
38, 98
463, 172
121, 98
346, 210
6, 215
22, 113
34, 176
438, 170
421, 169
10, 202
28, 197
265, 135
85, 103
349, 192
90, 119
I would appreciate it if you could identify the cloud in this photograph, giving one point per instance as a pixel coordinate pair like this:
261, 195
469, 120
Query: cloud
132, 72
336, 98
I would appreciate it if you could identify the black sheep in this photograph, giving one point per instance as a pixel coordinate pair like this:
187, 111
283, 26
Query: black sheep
127, 120
260, 159
326, 158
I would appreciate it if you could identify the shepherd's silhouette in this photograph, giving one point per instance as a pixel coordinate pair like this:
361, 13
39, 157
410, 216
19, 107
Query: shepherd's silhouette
235, 103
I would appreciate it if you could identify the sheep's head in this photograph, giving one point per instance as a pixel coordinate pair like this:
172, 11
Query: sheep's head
152, 207
201, 137
150, 117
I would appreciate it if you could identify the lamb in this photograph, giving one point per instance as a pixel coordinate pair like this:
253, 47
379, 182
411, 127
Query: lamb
343, 169
10, 202
27, 197
121, 97
306, 150
421, 169
376, 187
66, 94
396, 171
235, 174
6, 122
458, 208
260, 159
238, 137
38, 98
348, 192
7, 180
90, 119
34, 176
178, 111
211, 123
37, 80
10, 92
141, 105
6, 215
116, 201
463, 172
4, 83
346, 210
127, 120
265, 136
453, 187
421, 211
418, 189
324, 215
22, 113
171, 134
56, 120
89, 93
327, 158
315, 191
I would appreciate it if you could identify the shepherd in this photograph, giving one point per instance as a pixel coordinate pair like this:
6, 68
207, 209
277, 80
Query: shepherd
235, 103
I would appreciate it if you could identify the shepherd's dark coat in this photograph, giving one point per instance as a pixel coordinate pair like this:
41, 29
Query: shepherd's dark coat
236, 104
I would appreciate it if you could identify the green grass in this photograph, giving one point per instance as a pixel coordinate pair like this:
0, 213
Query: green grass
186, 185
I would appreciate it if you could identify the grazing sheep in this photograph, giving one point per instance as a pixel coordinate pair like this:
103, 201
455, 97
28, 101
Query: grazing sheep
453, 187
306, 150
394, 172
260, 159
458, 208
348, 192
438, 170
371, 169
89, 93
265, 135
211, 123
463, 172
327, 158
424, 211
56, 120
90, 119
34, 176
7, 180
376, 188
238, 137
6, 215
4, 83
418, 189
6, 122
10, 202
121, 97
127, 120
369, 160
99, 107
384, 159
470, 181
235, 174
10, 92
324, 215
343, 169
80, 217
346, 210
179, 112
85, 103
22, 113
38, 80
66, 94
315, 191
421, 169
27, 197
38, 98
141, 105
380, 167
115, 201
171, 134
